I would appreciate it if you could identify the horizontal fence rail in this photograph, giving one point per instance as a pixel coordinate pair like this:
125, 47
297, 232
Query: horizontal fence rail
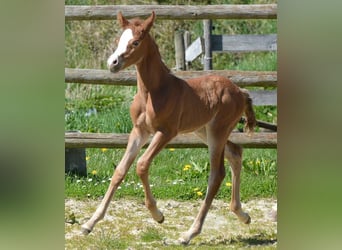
243, 43
109, 12
263, 97
111, 140
129, 78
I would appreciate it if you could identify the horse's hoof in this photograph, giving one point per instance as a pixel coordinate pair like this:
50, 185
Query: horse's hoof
162, 220
85, 231
183, 241
248, 221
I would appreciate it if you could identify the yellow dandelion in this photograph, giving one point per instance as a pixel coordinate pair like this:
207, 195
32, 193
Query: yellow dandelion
94, 172
199, 193
257, 162
186, 167
104, 149
228, 184
196, 189
172, 149
87, 158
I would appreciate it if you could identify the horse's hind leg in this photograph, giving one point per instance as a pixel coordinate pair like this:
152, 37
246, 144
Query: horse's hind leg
233, 153
216, 143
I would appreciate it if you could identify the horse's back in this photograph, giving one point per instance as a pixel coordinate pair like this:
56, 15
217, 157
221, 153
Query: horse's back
212, 82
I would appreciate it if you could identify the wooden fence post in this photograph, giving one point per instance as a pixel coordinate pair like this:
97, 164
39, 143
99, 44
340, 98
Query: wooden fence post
75, 160
179, 50
187, 42
207, 26
187, 39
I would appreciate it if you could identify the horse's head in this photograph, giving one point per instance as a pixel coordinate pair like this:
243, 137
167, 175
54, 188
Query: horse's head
131, 46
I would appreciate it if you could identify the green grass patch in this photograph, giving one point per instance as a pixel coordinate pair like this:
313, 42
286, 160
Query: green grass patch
103, 240
151, 234
180, 174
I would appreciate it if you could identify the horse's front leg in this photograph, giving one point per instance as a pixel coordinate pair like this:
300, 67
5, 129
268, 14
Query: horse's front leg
136, 140
158, 142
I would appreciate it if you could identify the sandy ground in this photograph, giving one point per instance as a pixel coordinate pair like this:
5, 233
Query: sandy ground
130, 217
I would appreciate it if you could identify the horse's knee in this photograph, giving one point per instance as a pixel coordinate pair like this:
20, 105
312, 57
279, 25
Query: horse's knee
142, 167
118, 177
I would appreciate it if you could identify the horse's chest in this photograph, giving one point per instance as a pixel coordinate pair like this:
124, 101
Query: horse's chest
158, 112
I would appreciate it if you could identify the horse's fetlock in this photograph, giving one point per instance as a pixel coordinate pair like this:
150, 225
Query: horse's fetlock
150, 205
235, 207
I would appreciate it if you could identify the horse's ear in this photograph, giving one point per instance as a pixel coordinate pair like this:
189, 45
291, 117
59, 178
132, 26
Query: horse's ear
122, 20
149, 22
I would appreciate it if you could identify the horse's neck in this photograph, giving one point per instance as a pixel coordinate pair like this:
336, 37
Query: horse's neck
151, 70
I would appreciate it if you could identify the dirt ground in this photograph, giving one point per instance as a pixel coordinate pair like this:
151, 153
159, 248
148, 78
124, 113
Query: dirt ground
129, 224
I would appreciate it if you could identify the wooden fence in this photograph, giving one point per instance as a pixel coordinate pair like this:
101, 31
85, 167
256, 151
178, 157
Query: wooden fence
199, 12
128, 78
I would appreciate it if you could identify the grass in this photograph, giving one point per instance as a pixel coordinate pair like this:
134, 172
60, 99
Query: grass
180, 174
151, 234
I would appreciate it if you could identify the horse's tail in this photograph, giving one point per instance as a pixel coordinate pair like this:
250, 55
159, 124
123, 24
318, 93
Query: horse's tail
249, 112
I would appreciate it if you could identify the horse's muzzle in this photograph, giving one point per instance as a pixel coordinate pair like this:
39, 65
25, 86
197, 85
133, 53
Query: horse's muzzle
115, 65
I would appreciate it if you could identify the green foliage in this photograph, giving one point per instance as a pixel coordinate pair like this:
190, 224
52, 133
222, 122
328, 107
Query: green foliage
180, 174
103, 240
151, 234
266, 113
258, 61
90, 119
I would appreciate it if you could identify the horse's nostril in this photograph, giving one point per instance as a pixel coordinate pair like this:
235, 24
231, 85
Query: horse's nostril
115, 62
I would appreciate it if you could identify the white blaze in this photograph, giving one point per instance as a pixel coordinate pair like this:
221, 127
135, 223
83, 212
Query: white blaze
126, 36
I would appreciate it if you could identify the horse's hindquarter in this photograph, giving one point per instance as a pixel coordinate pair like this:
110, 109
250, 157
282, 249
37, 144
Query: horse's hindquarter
212, 88
206, 97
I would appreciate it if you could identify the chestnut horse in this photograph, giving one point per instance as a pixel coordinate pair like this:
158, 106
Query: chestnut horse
165, 106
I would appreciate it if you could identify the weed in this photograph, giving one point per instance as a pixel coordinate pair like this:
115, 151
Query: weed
151, 234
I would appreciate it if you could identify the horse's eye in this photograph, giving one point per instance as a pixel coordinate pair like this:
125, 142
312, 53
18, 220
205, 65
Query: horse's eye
135, 43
